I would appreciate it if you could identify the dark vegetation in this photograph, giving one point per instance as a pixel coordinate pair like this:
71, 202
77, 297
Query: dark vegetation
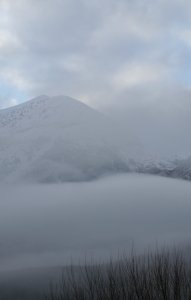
164, 275
161, 276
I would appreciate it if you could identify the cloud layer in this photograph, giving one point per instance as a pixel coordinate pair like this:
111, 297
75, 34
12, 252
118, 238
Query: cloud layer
93, 49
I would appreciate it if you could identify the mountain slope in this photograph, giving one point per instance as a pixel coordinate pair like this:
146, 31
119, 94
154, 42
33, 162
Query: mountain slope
51, 139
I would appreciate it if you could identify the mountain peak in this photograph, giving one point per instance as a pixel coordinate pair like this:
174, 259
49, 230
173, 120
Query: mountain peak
57, 138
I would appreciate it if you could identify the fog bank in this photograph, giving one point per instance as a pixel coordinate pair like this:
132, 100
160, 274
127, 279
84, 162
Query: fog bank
47, 225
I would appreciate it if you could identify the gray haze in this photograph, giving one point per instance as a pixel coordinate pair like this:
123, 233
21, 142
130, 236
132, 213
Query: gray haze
44, 225
159, 119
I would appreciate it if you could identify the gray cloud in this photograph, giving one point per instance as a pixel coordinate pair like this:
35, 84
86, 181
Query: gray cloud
83, 47
159, 117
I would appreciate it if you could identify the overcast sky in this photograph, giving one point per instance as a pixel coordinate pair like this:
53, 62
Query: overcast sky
124, 55
92, 49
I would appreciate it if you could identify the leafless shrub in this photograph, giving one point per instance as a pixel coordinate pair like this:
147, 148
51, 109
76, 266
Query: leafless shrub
161, 275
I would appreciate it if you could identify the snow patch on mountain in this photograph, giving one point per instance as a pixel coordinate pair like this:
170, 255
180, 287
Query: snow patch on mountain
55, 139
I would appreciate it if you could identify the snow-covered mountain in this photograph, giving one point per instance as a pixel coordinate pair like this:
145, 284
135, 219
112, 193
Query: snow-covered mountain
51, 139
174, 168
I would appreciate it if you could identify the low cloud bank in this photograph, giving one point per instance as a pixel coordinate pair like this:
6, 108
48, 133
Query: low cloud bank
44, 225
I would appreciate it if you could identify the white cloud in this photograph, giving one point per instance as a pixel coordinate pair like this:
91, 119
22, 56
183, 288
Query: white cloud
8, 42
139, 74
124, 24
185, 35
15, 79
